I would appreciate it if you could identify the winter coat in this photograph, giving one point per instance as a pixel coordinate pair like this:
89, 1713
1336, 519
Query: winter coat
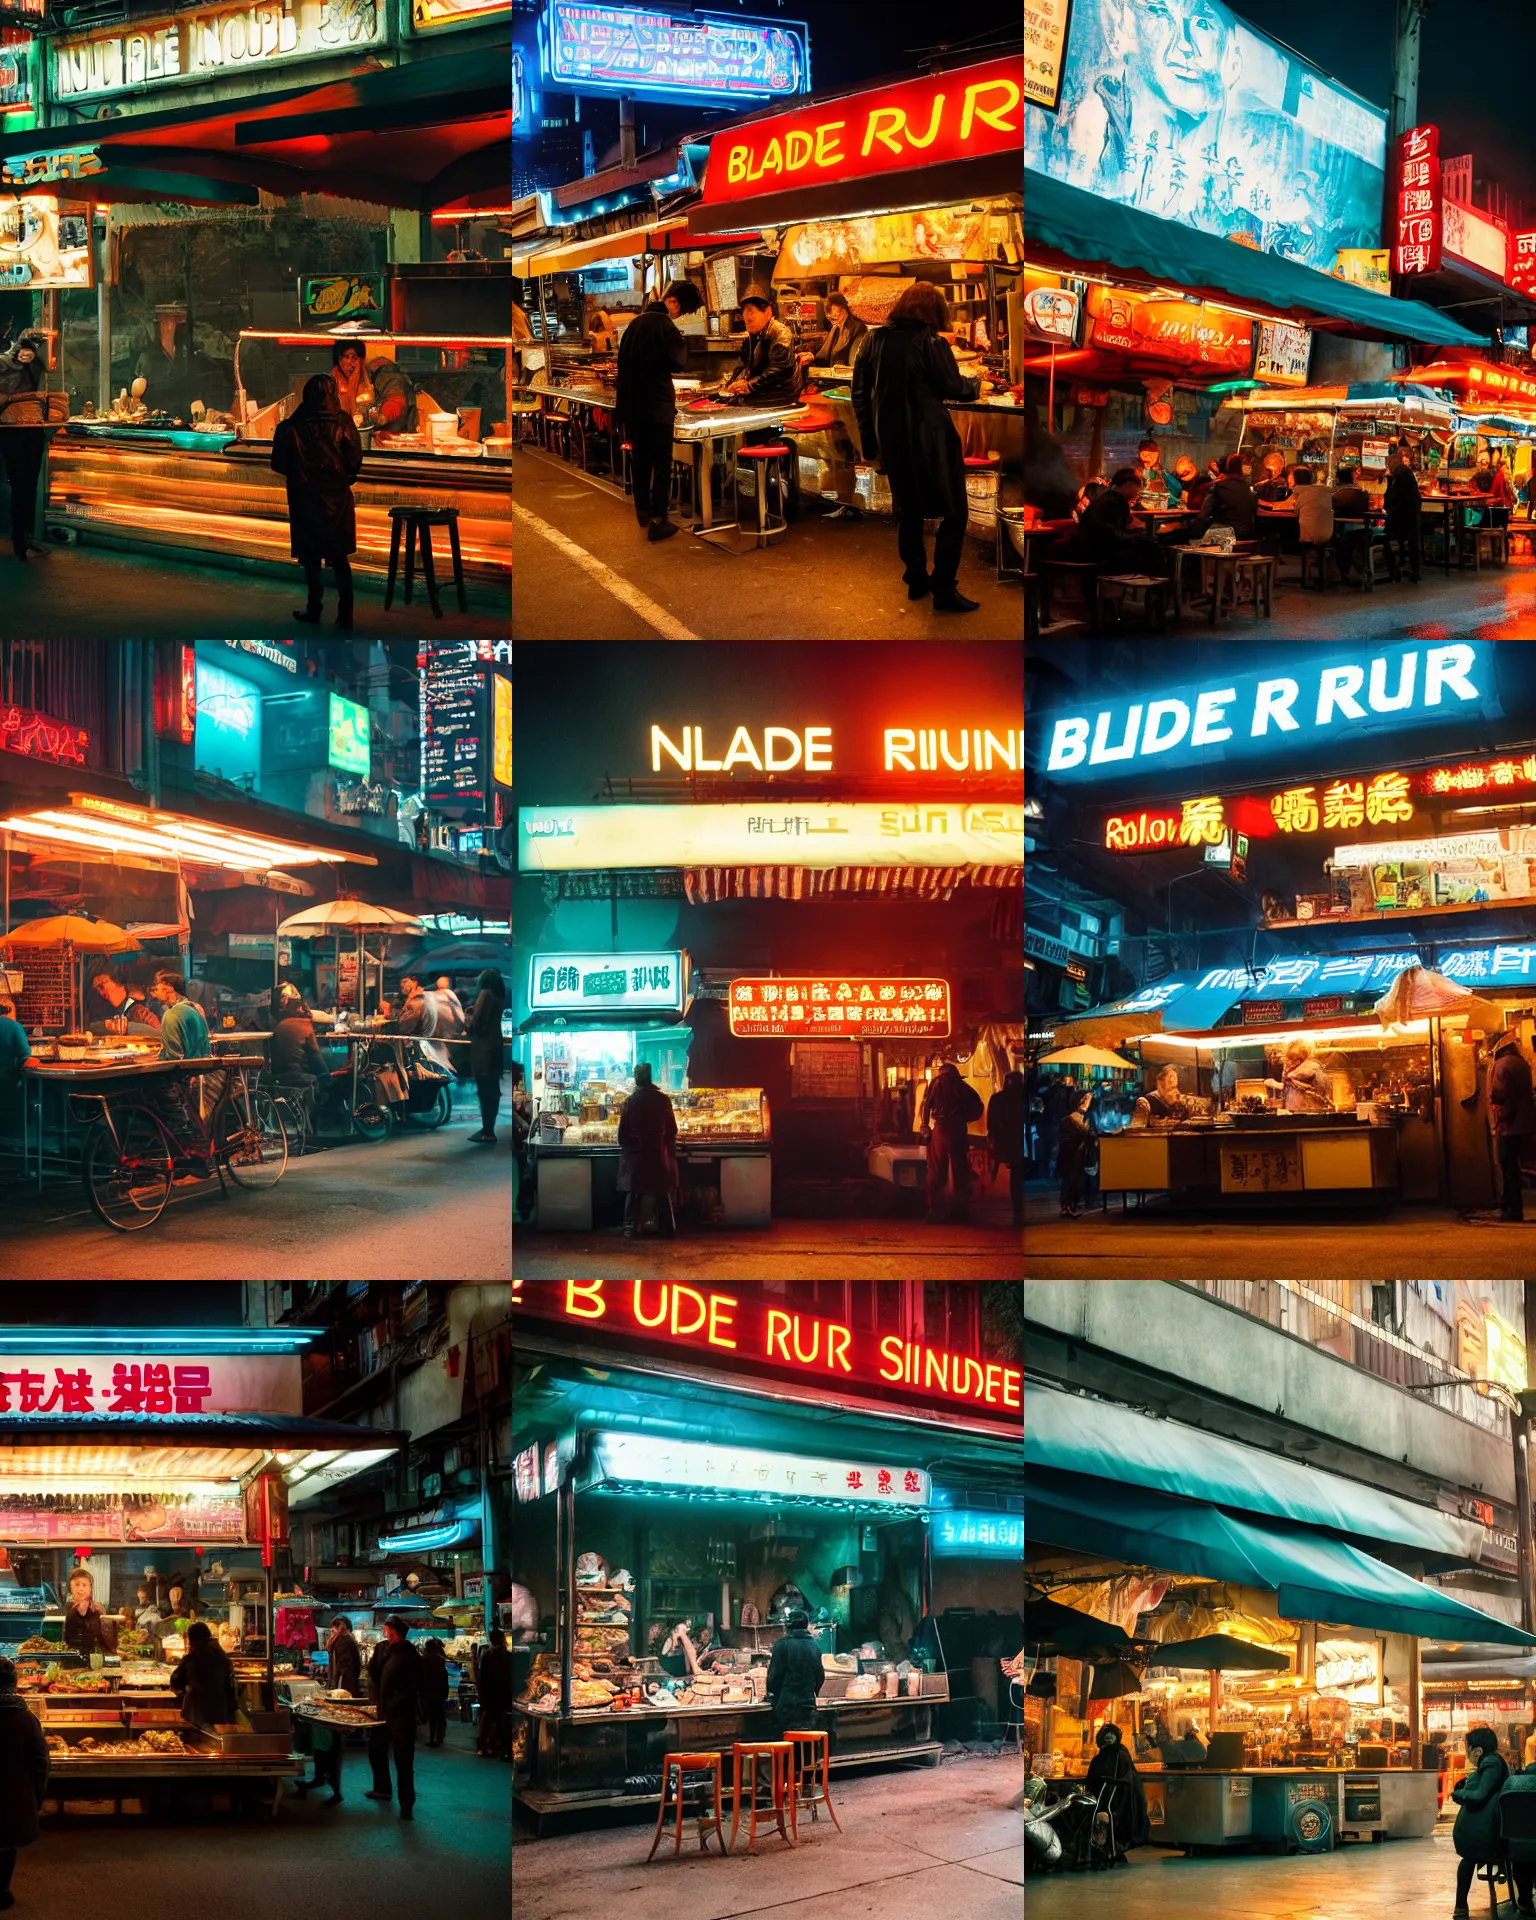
1519, 1850
436, 1681
319, 455
1116, 1786
768, 365
1403, 502
651, 350
647, 1135
1073, 1144
18, 376
486, 1046
23, 1771
346, 1668
1475, 1835
841, 344
1106, 523
296, 1050
493, 1680
1511, 1106
794, 1676
205, 1684
950, 1104
1005, 1123
900, 383
400, 1682
1232, 503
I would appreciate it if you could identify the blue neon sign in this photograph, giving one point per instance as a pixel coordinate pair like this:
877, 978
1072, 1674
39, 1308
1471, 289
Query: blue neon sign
617, 49
1310, 701
979, 1535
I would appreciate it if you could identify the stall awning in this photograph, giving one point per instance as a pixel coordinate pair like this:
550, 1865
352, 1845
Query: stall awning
1314, 1576
704, 884
1067, 1433
1066, 227
193, 1446
104, 829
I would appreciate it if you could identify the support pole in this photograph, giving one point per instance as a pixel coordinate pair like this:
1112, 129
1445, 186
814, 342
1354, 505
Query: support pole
1519, 1430
104, 320
1415, 1704
567, 1604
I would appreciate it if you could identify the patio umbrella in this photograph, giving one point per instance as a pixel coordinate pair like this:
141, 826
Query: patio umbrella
1113, 1679
1058, 1629
1220, 1653
336, 916
73, 930
1087, 1057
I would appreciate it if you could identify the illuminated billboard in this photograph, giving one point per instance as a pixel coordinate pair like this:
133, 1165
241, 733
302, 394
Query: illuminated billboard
600, 49
351, 736
1183, 110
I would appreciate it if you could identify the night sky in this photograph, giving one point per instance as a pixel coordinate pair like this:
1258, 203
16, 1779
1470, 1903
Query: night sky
1474, 72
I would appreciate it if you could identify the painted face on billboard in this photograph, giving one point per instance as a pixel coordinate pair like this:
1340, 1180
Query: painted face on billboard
1181, 52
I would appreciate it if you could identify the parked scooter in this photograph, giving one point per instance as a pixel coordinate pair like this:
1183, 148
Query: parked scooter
1042, 1843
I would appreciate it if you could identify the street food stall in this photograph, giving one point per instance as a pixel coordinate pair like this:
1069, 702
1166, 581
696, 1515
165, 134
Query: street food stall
1356, 425
142, 479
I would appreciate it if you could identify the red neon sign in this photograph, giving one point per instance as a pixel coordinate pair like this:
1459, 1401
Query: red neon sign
39, 738
761, 1333
1480, 776
1420, 221
838, 1008
188, 695
965, 114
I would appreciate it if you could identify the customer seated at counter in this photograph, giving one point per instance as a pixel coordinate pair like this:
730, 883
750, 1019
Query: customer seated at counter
1163, 1102
1232, 502
1187, 1751
111, 1007
1307, 1086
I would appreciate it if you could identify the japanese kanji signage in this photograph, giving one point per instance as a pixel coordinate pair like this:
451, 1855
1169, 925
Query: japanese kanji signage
748, 1330
149, 1385
1375, 800
1479, 776
1522, 262
1383, 800
651, 1460
1416, 179
40, 738
838, 1006
979, 1535
608, 982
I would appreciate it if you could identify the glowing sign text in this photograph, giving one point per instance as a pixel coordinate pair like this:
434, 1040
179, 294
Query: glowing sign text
39, 738
834, 1008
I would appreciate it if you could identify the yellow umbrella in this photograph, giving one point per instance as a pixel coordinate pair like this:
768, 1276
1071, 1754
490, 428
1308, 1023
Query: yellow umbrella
71, 929
331, 916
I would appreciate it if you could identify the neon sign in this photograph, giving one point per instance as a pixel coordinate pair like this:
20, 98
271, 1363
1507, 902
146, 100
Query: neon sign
979, 1535
811, 750
597, 49
645, 1458
757, 1333
836, 1008
967, 113
1416, 170
37, 737
608, 982
1306, 705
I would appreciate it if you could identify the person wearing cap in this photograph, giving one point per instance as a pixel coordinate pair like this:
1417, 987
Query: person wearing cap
794, 1676
21, 447
650, 353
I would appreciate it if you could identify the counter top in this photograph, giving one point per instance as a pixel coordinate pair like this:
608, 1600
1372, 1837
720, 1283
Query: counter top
1263, 1123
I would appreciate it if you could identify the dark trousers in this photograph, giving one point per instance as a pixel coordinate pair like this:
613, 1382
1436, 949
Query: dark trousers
1512, 1205
1352, 545
21, 451
397, 1738
437, 1721
666, 1223
949, 1154
651, 465
1403, 545
765, 436
328, 1765
315, 590
1016, 1190
7, 1854
488, 1087
1074, 1185
948, 543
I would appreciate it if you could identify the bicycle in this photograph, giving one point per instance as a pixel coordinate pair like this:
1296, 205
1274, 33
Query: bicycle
132, 1159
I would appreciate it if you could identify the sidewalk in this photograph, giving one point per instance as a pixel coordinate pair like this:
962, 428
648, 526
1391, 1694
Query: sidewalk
1397, 1880
916, 1845
583, 570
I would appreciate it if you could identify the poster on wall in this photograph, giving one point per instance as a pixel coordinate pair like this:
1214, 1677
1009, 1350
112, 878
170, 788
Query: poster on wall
1188, 333
820, 247
1283, 354
1046, 25
1187, 112
44, 244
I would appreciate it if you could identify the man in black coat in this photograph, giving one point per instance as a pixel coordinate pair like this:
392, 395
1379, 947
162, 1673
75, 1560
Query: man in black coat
647, 1136
1107, 535
1404, 518
318, 453
650, 352
23, 1777
22, 448
395, 1680
949, 1106
794, 1677
1513, 1111
900, 383
1005, 1129
1232, 503
493, 1683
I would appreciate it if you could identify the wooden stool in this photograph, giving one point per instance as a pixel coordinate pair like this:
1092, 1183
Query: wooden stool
817, 1743
1497, 539
780, 1754
689, 1763
1085, 573
1118, 593
418, 523
1318, 551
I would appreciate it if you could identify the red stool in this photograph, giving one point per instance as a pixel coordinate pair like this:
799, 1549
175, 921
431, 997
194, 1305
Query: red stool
770, 526
626, 466
688, 1763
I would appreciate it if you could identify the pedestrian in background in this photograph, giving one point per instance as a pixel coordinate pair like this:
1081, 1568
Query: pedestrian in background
522, 1136
1475, 1835
344, 1663
398, 1697
1075, 1142
949, 1106
486, 1051
1005, 1130
493, 1684
1512, 1112
1404, 523
23, 1777
436, 1685
647, 1163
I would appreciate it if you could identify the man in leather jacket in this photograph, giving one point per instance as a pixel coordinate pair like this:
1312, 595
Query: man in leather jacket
770, 373
21, 448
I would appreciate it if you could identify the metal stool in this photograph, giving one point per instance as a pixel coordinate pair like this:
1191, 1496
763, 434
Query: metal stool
688, 1763
780, 1753
770, 526
803, 1766
626, 466
418, 523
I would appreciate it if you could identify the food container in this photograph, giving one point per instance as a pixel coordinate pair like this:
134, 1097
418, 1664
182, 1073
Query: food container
441, 426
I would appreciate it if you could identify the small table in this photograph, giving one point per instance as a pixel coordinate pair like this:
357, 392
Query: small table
1226, 568
701, 430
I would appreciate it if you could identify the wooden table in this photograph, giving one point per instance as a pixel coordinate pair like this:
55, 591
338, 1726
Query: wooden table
1224, 567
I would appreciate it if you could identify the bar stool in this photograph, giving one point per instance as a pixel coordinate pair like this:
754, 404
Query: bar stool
770, 526
780, 1753
818, 1745
626, 466
418, 523
689, 1763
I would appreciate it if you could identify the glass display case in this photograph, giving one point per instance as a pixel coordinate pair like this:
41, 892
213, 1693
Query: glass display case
721, 1113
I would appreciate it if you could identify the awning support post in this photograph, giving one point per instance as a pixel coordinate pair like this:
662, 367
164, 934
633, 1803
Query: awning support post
566, 1535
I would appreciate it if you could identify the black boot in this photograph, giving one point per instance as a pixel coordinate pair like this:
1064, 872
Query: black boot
309, 615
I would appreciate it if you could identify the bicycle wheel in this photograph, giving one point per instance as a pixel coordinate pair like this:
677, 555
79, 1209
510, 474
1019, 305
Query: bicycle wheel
373, 1120
128, 1180
255, 1152
437, 1115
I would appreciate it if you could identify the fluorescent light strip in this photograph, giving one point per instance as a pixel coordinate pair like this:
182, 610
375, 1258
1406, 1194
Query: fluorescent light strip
228, 848
1248, 1036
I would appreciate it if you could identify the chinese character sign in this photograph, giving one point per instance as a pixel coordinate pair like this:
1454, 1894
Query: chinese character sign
838, 1007
148, 1386
38, 738
649, 1460
601, 49
614, 982
1522, 262
1416, 177
978, 1535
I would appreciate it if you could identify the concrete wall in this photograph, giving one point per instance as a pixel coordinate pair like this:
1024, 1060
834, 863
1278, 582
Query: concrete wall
1299, 1399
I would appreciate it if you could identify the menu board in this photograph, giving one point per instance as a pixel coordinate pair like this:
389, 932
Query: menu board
453, 729
826, 1070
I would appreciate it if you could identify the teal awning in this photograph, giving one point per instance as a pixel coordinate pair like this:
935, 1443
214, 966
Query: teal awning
1086, 231
1071, 1434
1313, 1577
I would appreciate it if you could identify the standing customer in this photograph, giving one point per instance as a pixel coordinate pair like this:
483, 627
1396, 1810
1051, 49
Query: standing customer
1077, 1135
1404, 506
949, 1106
486, 1049
493, 1683
319, 454
436, 1685
1005, 1129
1475, 1835
344, 1665
900, 383
522, 1149
399, 1684
650, 352
647, 1136
1512, 1111
23, 1777
22, 448
204, 1681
